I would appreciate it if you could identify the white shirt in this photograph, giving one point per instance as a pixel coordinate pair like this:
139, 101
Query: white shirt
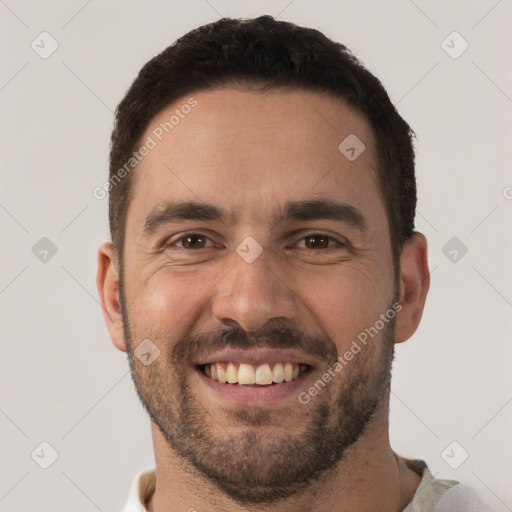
432, 495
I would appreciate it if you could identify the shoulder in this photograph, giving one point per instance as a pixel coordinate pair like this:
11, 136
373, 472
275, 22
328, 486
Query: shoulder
462, 497
438, 495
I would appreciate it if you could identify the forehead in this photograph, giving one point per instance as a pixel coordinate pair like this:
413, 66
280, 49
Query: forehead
247, 151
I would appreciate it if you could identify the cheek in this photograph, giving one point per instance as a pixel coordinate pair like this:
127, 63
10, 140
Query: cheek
165, 306
346, 301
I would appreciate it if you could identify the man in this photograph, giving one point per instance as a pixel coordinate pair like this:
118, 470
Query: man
263, 264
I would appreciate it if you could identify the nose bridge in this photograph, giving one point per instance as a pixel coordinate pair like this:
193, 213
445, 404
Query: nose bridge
252, 294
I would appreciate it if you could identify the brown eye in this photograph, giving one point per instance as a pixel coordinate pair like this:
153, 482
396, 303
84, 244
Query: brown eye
317, 241
193, 241
190, 241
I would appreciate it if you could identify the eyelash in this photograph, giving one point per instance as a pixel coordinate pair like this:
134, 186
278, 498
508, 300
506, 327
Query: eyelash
170, 244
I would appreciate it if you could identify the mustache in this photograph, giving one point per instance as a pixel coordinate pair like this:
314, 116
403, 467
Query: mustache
200, 345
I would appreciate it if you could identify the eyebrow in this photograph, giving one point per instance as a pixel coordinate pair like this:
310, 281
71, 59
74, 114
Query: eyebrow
324, 209
169, 213
304, 210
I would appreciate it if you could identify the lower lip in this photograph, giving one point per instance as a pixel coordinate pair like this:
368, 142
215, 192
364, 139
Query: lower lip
252, 395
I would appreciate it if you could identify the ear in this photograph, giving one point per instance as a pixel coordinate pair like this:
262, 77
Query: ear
107, 281
414, 285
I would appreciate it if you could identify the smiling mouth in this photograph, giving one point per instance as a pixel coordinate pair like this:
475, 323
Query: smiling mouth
245, 374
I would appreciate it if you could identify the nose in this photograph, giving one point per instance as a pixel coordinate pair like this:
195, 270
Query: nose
253, 294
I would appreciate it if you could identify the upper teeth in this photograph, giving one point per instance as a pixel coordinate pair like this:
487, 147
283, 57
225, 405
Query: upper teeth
248, 374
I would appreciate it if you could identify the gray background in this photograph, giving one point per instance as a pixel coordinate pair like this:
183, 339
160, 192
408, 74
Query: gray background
62, 380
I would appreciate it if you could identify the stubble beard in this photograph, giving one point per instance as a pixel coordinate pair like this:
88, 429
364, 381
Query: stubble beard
250, 462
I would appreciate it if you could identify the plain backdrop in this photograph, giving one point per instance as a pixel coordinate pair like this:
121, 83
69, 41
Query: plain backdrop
64, 383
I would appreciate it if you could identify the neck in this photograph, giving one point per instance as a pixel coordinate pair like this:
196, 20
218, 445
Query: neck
370, 477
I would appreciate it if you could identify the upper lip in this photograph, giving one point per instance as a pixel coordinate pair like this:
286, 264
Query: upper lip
259, 356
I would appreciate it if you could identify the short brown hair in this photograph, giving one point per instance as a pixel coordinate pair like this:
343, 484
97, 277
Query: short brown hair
268, 54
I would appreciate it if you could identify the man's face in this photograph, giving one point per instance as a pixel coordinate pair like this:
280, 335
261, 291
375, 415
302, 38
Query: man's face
204, 294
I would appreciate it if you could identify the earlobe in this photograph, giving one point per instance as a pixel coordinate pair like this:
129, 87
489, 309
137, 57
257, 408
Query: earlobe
107, 281
413, 286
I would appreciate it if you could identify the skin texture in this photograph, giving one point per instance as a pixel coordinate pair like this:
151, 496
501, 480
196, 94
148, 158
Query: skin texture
250, 153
